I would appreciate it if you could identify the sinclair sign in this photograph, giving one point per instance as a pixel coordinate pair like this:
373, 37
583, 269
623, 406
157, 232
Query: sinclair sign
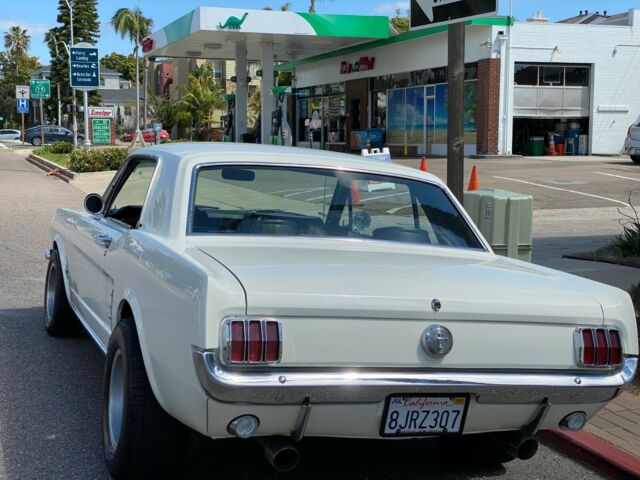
101, 112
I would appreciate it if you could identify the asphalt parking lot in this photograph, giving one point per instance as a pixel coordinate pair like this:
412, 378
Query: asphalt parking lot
50, 392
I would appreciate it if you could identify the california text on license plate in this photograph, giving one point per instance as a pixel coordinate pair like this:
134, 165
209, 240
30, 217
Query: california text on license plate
410, 416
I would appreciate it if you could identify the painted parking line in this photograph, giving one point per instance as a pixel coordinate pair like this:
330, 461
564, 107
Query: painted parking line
618, 176
319, 198
562, 190
3, 146
393, 211
289, 190
384, 196
308, 190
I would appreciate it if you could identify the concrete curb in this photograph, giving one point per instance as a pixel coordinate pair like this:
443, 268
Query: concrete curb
51, 168
594, 451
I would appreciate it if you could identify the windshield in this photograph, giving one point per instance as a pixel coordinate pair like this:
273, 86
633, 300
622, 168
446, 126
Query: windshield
296, 201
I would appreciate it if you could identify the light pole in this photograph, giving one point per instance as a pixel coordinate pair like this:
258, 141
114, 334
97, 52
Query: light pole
75, 120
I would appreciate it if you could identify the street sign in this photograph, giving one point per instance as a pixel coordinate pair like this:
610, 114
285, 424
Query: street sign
157, 127
428, 13
101, 129
40, 89
84, 67
22, 91
22, 105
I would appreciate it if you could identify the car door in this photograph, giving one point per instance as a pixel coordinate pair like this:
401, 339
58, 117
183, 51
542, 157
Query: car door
102, 235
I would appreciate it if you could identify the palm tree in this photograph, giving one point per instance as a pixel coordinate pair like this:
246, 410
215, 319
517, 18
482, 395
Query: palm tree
285, 7
202, 97
17, 41
131, 23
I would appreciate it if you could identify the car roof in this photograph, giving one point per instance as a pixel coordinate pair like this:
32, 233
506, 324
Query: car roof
189, 155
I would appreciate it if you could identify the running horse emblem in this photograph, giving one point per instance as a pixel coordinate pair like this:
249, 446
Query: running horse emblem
234, 23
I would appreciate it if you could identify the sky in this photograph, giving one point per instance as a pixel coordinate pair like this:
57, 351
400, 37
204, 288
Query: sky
37, 16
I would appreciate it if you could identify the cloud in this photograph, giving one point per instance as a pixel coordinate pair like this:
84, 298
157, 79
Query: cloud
31, 28
391, 7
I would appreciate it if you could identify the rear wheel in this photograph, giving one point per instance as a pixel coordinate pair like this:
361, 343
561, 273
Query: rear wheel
59, 319
35, 141
140, 439
635, 158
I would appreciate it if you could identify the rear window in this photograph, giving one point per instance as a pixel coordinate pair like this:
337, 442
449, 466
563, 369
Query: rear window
291, 201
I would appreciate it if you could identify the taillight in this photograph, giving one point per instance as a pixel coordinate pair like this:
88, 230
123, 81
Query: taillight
615, 357
253, 341
629, 131
598, 347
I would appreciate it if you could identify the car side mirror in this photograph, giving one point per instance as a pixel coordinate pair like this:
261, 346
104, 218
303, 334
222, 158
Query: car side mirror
93, 203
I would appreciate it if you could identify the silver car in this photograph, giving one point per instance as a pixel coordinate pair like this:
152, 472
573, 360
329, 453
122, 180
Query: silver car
632, 143
9, 134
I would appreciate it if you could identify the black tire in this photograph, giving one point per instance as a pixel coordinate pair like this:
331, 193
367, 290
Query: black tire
59, 319
144, 442
635, 158
35, 141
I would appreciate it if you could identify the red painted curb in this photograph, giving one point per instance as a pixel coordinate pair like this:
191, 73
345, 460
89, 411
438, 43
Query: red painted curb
50, 168
600, 454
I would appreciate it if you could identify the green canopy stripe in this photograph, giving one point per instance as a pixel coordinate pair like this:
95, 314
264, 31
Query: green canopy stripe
348, 25
179, 28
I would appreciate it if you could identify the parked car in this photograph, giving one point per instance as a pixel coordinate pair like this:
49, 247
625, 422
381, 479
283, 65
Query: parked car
52, 134
632, 144
9, 134
257, 291
149, 136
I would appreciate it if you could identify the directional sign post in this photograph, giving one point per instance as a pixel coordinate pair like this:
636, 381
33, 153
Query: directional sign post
429, 13
84, 67
41, 90
84, 70
22, 92
22, 105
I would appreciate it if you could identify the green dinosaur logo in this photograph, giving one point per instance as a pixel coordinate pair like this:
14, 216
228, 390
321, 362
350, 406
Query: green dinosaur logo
234, 23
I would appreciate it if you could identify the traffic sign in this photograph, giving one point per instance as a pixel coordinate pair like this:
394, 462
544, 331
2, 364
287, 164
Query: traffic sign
22, 105
157, 127
84, 67
428, 13
40, 89
22, 91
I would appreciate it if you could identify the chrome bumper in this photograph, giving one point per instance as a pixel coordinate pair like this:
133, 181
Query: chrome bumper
294, 386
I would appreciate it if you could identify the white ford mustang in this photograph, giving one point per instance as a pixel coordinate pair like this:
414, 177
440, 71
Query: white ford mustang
280, 293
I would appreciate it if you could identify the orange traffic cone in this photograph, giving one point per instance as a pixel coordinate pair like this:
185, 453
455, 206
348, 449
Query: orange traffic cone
473, 183
551, 146
355, 193
423, 165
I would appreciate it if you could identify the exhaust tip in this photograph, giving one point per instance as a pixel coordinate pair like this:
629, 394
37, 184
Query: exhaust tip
286, 460
527, 449
244, 427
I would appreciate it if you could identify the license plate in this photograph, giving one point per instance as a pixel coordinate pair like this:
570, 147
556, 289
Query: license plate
410, 416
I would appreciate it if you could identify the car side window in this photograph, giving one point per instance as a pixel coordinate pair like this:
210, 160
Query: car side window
126, 205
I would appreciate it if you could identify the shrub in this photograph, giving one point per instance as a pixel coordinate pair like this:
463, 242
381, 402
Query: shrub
82, 161
628, 242
61, 147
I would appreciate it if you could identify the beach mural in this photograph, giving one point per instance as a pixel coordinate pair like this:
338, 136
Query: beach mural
421, 111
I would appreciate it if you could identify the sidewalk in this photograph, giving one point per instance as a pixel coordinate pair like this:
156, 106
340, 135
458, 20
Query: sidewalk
618, 424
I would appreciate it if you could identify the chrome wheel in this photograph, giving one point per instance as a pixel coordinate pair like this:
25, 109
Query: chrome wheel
115, 409
52, 284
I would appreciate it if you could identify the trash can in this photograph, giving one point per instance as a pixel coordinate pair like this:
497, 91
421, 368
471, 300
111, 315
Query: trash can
505, 220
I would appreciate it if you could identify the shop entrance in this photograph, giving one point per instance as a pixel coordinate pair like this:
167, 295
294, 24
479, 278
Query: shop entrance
322, 118
532, 136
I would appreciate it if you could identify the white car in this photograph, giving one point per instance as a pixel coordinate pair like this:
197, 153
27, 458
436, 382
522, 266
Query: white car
632, 143
269, 292
9, 134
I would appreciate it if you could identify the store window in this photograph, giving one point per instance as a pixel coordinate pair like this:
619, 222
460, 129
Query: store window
576, 76
322, 116
379, 102
526, 74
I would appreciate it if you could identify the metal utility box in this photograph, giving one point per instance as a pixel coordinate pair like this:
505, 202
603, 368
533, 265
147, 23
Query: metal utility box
505, 219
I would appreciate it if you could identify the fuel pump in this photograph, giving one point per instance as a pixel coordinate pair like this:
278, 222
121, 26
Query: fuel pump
280, 128
229, 119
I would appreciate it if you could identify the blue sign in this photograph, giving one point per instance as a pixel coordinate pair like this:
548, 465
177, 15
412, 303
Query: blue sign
84, 68
22, 105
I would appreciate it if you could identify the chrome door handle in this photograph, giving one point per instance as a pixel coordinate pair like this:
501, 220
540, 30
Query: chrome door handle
104, 240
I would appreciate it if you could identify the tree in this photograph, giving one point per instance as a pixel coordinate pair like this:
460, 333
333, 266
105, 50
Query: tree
123, 64
285, 7
15, 69
17, 41
400, 22
201, 98
132, 24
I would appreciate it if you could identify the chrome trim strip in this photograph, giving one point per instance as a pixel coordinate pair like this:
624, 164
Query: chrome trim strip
372, 386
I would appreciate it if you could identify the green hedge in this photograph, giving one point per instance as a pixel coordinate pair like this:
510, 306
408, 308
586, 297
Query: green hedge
61, 147
82, 161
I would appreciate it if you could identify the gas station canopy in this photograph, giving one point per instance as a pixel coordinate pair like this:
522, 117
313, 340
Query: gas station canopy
210, 32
